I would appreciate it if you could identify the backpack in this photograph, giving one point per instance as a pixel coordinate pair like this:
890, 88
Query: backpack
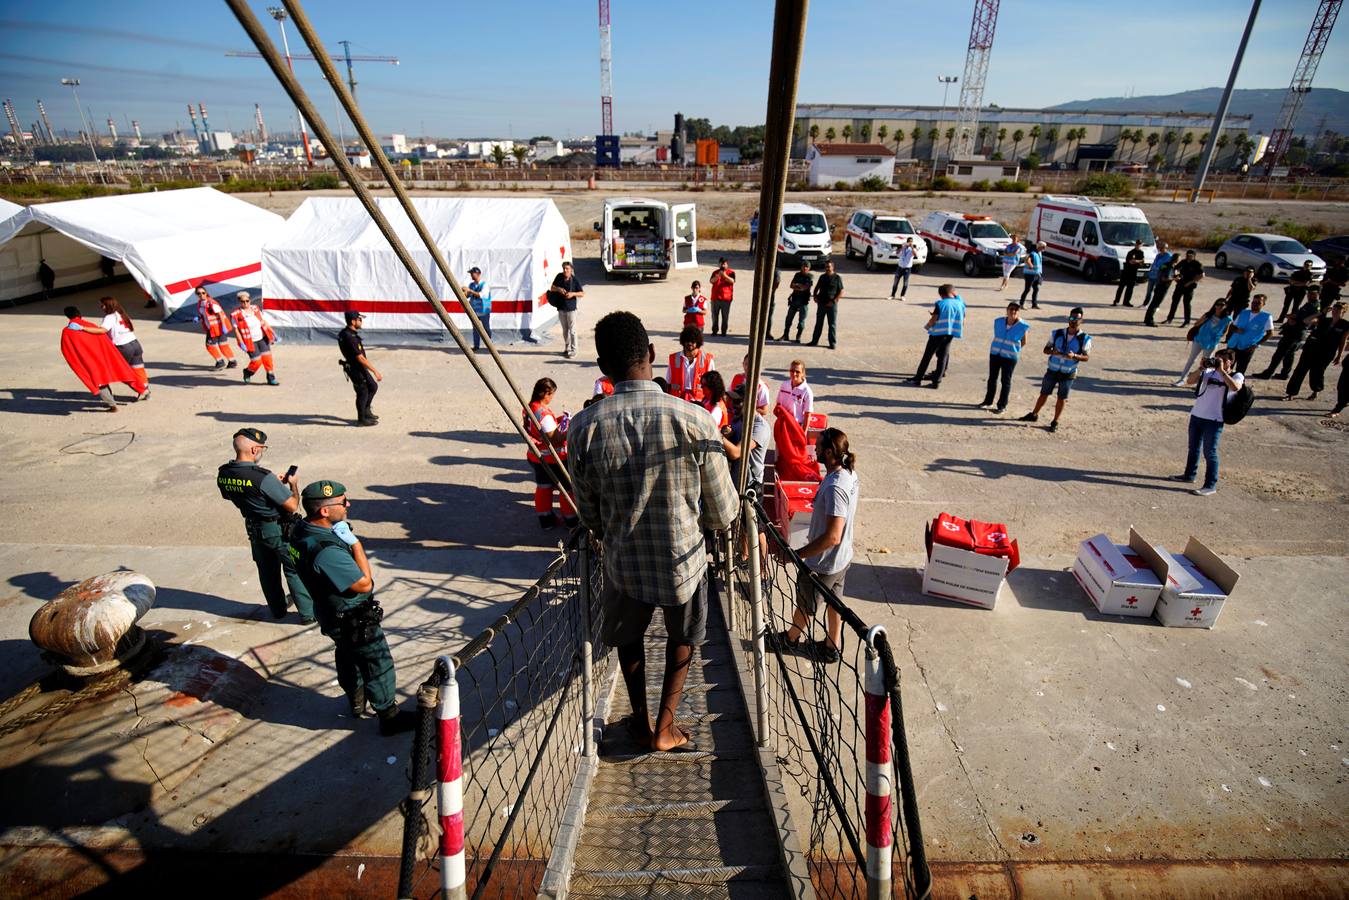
1235, 409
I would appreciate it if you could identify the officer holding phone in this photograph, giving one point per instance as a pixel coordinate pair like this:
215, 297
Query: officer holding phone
268, 502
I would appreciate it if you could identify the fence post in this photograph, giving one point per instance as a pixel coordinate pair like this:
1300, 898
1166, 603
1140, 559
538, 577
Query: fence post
728, 571
450, 790
751, 530
427, 697
879, 771
587, 651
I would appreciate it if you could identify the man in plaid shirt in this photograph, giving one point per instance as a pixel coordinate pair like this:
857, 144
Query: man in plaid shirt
649, 474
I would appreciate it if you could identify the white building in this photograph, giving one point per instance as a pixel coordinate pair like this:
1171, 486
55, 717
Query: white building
831, 163
484, 149
968, 171
221, 140
398, 143
543, 150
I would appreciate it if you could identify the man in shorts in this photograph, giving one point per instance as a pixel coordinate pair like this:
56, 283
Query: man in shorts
1066, 348
649, 517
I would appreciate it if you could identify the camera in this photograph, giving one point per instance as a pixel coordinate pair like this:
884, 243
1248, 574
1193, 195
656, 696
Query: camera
1208, 362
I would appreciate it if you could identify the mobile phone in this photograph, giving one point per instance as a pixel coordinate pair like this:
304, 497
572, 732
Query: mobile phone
290, 473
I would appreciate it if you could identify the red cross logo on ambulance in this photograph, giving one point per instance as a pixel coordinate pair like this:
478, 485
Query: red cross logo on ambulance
1130, 601
1194, 613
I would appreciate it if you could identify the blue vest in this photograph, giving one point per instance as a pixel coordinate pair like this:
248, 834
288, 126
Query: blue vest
1007, 341
1063, 343
950, 317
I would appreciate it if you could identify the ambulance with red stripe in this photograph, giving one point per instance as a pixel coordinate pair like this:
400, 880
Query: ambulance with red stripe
878, 237
973, 241
1090, 237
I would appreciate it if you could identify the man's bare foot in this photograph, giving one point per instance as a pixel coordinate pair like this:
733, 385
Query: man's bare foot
670, 739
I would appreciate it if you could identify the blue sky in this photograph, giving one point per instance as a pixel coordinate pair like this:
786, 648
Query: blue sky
529, 67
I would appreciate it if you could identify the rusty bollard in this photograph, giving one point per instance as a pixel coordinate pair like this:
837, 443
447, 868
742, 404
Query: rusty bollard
91, 627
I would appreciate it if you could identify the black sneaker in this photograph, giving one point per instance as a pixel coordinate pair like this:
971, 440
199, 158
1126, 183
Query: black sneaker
824, 653
548, 521
1181, 478
778, 640
219, 364
1029, 417
1000, 410
367, 423
271, 379
232, 364
1053, 426
248, 376
396, 721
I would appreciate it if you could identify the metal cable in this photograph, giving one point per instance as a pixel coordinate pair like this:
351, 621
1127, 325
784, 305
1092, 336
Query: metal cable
320, 53
297, 94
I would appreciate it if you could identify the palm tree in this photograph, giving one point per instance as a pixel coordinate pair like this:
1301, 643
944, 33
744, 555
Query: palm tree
915, 135
814, 133
847, 134
866, 132
1035, 133
830, 133
932, 135
520, 151
1153, 140
1052, 136
1017, 137
1002, 136
498, 155
950, 135
983, 136
1185, 143
1223, 141
1168, 139
881, 134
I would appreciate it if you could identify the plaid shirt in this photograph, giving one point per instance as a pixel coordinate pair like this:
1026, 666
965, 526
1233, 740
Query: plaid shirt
650, 474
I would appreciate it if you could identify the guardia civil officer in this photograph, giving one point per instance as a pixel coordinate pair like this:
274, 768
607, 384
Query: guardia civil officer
265, 499
332, 563
364, 377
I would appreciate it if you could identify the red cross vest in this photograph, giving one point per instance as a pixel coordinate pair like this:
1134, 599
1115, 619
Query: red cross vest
701, 367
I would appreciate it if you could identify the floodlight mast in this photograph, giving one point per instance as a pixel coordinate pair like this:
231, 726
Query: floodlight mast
279, 13
73, 84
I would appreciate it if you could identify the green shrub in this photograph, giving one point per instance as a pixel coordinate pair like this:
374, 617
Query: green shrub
322, 181
981, 186
942, 183
1105, 184
903, 186
873, 183
1010, 186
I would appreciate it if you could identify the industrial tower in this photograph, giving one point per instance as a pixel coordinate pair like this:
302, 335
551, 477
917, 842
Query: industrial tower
606, 143
46, 123
262, 126
976, 73
1317, 37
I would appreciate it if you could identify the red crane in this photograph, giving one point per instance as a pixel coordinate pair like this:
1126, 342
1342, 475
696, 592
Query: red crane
1317, 37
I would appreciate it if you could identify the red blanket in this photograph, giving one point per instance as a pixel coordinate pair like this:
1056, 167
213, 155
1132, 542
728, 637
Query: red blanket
94, 359
792, 463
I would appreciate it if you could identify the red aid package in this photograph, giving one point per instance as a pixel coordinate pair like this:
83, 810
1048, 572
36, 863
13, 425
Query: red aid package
952, 531
793, 464
986, 538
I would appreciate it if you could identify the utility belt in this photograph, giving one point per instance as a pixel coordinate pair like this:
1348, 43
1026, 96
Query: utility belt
359, 626
346, 368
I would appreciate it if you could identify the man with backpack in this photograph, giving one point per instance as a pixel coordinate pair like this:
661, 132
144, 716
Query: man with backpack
1066, 348
1220, 399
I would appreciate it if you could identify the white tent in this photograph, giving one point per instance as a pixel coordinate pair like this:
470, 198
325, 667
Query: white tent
170, 241
331, 258
25, 243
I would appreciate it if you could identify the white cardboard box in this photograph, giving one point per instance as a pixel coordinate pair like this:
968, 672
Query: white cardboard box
1195, 586
964, 576
797, 522
1118, 578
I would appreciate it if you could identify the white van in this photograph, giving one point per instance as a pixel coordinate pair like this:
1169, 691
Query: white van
973, 241
803, 235
1090, 237
878, 237
640, 237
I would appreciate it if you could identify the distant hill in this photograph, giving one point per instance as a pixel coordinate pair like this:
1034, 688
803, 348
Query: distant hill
1262, 105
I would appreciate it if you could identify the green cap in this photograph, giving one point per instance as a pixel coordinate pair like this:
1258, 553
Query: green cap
257, 435
322, 490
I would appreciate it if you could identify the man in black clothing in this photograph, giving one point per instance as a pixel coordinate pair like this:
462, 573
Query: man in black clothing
1324, 345
364, 377
828, 291
1189, 273
1291, 333
46, 276
1296, 289
1239, 294
798, 301
1133, 261
1332, 286
564, 293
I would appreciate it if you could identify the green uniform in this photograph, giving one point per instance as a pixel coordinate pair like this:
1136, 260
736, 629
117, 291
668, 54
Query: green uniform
328, 569
261, 497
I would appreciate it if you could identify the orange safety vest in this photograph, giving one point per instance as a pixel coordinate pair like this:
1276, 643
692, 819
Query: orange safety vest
604, 386
725, 408
696, 319
244, 333
539, 452
213, 320
701, 367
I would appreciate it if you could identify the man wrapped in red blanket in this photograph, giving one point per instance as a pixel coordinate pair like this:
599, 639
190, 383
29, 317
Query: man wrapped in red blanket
94, 359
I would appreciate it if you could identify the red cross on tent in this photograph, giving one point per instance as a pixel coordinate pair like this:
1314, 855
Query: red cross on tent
545, 264
562, 252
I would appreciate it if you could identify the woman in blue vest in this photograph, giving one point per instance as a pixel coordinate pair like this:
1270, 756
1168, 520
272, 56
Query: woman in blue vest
1066, 348
1009, 336
1205, 335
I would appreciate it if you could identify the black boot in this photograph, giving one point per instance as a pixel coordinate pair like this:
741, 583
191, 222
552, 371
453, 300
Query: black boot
396, 721
360, 709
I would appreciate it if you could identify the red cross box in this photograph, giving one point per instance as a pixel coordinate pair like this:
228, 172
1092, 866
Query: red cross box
1195, 586
1117, 577
795, 502
815, 423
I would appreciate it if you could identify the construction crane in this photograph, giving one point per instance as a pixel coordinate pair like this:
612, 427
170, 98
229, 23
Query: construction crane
976, 73
606, 144
1317, 37
346, 54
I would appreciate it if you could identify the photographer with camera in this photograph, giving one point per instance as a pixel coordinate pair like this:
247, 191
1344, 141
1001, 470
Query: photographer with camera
1216, 382
268, 503
333, 565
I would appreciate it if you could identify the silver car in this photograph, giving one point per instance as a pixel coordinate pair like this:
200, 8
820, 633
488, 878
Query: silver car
1271, 255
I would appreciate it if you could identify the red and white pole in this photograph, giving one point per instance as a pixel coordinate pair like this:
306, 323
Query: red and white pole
450, 786
880, 772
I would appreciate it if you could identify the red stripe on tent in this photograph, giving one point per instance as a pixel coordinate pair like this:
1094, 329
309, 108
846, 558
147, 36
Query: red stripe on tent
287, 304
190, 283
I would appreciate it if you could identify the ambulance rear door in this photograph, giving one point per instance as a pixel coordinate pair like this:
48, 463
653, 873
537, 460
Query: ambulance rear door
684, 232
604, 228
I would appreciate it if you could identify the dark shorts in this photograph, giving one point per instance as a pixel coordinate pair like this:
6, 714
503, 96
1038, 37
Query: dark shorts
133, 354
217, 341
1061, 380
627, 618
808, 596
260, 349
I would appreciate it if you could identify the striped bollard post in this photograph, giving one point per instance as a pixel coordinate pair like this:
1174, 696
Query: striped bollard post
880, 772
450, 787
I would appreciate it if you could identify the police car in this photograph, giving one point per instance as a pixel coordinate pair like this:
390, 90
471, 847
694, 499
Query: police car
878, 236
973, 241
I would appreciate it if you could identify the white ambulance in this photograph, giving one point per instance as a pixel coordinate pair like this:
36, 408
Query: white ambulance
804, 235
973, 241
877, 237
640, 237
1088, 236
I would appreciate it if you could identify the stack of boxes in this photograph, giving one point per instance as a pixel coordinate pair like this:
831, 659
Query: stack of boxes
968, 561
1185, 590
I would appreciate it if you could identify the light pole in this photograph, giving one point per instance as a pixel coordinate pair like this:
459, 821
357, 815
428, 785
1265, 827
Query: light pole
73, 84
947, 81
280, 14
1212, 143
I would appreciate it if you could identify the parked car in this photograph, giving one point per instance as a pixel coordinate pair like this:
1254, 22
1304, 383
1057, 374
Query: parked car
804, 235
973, 241
1272, 256
1090, 237
640, 237
1331, 249
878, 236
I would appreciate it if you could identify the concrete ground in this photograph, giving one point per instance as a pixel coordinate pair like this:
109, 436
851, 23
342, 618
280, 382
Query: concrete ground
1040, 731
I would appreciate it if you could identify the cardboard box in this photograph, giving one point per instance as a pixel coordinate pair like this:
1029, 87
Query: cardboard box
1195, 585
964, 576
788, 491
1117, 578
796, 522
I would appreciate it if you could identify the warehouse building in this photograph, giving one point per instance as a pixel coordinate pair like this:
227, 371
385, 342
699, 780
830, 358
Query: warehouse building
1098, 138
